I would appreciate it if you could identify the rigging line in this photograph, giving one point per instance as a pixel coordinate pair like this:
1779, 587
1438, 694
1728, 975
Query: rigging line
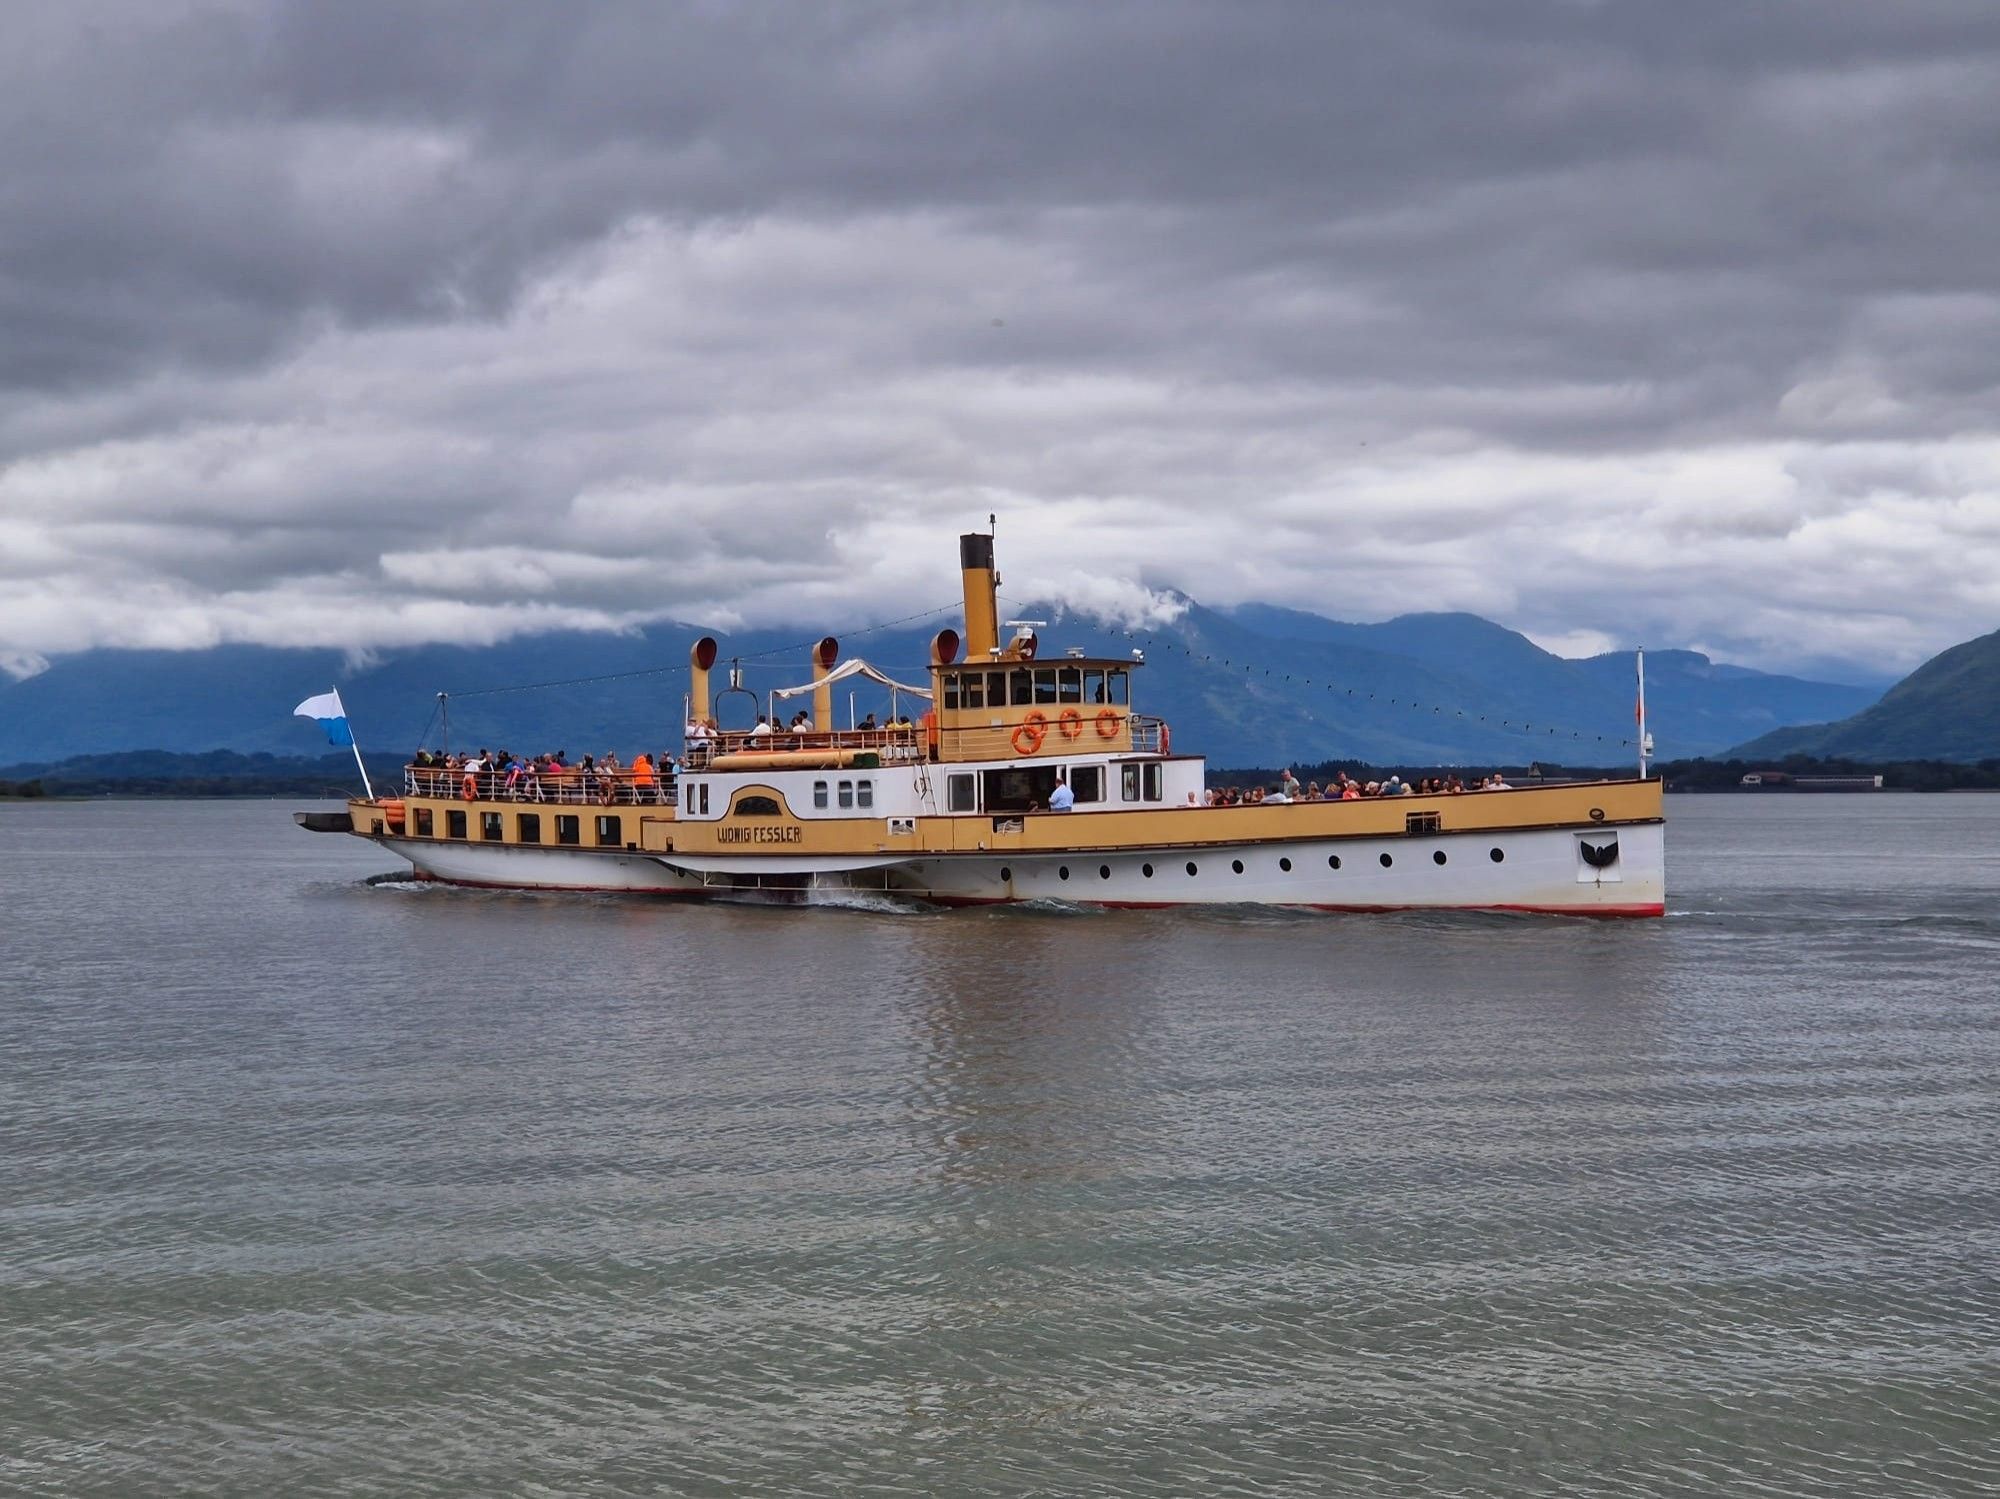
654, 671
1581, 736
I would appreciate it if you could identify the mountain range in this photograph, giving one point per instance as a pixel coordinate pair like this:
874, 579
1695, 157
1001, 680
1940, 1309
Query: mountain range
1947, 709
1253, 685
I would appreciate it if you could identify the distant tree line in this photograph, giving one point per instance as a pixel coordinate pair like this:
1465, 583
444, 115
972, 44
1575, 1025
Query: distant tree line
1680, 775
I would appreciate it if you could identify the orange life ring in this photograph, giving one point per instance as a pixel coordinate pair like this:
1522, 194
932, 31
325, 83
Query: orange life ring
470, 789
1107, 723
1072, 723
1028, 738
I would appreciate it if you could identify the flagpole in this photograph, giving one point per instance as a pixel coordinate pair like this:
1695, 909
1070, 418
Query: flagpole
355, 745
1642, 712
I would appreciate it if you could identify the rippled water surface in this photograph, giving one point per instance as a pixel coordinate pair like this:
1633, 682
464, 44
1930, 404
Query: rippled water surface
312, 1185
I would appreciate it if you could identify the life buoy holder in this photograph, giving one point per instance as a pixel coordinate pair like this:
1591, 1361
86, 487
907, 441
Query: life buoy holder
1071, 722
1107, 723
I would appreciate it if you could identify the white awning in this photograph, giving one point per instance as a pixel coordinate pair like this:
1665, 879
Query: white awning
854, 667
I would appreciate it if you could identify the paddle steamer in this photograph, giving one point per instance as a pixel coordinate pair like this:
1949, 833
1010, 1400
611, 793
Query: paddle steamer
955, 809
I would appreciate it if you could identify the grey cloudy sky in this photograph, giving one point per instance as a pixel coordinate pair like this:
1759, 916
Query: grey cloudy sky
353, 324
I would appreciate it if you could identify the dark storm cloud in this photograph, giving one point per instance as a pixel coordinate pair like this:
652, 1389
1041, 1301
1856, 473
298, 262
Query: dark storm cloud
348, 321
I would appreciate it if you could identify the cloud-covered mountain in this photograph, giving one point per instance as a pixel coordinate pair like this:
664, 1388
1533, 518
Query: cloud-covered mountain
1257, 685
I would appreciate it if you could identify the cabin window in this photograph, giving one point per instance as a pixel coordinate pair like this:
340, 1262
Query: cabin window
528, 827
1093, 685
959, 794
1045, 684
700, 800
454, 823
1069, 684
1154, 781
568, 828
819, 794
1087, 781
846, 793
758, 806
424, 823
1128, 783
974, 693
610, 832
864, 793
489, 827
1020, 687
1117, 680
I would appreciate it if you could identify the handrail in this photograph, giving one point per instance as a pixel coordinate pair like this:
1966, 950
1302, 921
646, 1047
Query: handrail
567, 787
893, 745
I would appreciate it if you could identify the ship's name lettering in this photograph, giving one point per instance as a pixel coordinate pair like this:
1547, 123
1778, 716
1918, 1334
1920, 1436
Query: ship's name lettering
760, 833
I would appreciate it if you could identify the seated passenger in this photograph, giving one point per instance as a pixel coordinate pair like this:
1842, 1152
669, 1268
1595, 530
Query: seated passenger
762, 729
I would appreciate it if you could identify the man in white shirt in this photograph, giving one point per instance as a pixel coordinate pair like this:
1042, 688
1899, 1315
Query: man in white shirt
763, 728
1062, 799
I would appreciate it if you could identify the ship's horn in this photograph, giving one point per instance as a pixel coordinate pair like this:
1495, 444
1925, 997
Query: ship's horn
700, 659
823, 656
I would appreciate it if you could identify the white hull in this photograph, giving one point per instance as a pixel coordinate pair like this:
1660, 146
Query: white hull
1540, 869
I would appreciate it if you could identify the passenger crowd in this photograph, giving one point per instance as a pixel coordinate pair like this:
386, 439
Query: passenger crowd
551, 777
1343, 788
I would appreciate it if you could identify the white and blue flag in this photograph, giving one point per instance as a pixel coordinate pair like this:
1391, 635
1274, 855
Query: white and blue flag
332, 717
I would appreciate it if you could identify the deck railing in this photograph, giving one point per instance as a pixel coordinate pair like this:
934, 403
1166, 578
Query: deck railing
570, 786
893, 745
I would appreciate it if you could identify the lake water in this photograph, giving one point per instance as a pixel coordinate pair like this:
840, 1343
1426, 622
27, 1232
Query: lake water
315, 1186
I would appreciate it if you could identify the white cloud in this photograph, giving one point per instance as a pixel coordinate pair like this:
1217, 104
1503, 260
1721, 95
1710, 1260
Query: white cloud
1611, 335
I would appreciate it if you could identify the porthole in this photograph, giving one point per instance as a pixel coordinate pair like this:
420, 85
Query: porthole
1063, 872
1286, 865
1191, 868
1006, 874
1237, 865
1438, 857
1333, 861
1104, 871
1497, 855
1387, 861
1146, 870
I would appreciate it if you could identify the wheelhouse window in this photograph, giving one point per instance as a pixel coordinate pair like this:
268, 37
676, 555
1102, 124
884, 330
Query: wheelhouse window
1118, 682
569, 828
1069, 684
972, 693
1045, 684
1093, 684
528, 827
454, 823
959, 794
489, 827
1020, 687
610, 831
